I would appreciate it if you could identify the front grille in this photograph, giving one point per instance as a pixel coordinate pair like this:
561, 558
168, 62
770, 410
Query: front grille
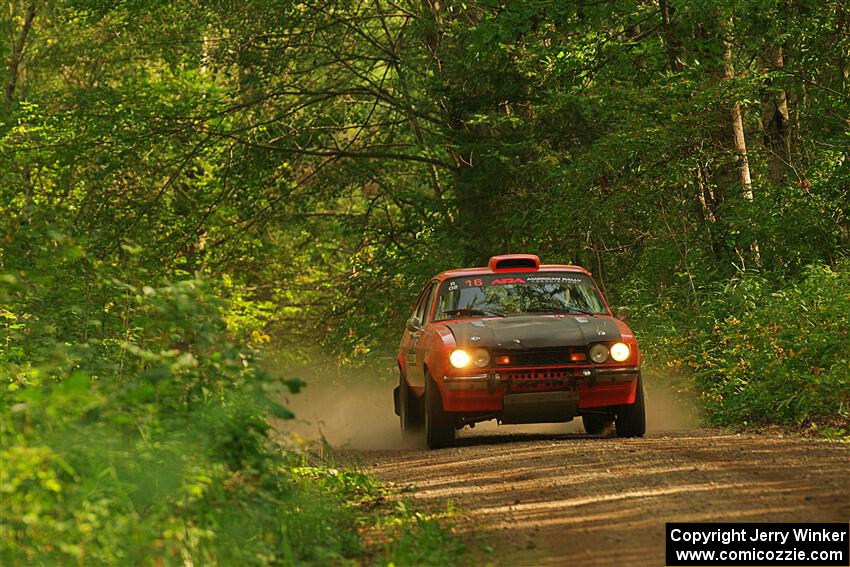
539, 378
540, 357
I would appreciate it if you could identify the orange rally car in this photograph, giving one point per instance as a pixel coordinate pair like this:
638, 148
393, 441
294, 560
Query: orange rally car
520, 343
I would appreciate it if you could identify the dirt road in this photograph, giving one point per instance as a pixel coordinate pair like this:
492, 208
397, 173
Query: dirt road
544, 499
548, 497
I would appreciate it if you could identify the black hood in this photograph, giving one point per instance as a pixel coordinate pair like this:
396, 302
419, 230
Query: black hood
533, 332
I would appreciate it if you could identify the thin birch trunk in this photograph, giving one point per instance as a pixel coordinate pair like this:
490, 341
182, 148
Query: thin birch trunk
738, 128
17, 57
740, 142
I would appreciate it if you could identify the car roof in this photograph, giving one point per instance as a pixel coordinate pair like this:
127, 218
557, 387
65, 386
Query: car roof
442, 276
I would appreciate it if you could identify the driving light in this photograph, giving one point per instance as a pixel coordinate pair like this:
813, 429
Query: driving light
459, 358
480, 357
620, 352
599, 353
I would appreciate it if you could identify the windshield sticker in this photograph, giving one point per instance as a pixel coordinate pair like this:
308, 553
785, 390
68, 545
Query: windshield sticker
554, 279
452, 286
508, 281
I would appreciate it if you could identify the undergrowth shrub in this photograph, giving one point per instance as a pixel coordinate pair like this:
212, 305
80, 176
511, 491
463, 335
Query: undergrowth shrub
761, 353
133, 429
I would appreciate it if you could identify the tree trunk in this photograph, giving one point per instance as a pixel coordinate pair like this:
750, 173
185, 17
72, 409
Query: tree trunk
671, 43
775, 121
476, 182
17, 56
739, 140
738, 136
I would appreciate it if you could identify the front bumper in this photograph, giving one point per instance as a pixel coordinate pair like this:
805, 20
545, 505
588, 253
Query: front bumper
595, 387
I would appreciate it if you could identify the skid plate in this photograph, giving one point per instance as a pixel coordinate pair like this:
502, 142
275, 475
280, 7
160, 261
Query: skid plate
540, 407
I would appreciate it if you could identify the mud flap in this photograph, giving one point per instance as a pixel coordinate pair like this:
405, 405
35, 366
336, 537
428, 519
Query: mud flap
540, 407
397, 400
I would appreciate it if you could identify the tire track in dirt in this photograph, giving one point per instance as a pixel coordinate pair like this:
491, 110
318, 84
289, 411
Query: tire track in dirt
549, 499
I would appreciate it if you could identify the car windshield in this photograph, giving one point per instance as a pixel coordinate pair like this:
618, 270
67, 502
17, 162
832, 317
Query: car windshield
518, 294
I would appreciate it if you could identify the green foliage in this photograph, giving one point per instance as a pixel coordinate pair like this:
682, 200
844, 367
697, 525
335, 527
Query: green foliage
322, 160
143, 445
763, 353
182, 183
424, 542
406, 537
134, 431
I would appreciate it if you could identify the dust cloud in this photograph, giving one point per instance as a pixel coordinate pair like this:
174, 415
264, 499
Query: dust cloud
346, 411
670, 404
354, 409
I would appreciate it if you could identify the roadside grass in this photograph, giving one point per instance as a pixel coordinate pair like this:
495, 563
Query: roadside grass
390, 531
423, 541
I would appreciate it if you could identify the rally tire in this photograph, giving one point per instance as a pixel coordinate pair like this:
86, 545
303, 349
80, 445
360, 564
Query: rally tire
596, 423
631, 419
439, 424
410, 411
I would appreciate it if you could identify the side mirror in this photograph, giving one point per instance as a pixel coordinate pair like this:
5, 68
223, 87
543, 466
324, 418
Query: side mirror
623, 313
414, 325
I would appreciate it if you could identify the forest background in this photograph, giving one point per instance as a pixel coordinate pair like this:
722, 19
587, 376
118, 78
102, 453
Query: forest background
188, 186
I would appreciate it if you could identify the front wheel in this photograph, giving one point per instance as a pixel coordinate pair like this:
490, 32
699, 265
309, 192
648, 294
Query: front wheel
439, 424
595, 423
631, 420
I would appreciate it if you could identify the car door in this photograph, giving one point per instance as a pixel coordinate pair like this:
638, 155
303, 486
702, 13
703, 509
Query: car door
414, 354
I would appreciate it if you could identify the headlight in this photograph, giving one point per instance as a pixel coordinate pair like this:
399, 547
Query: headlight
620, 352
480, 357
459, 358
599, 353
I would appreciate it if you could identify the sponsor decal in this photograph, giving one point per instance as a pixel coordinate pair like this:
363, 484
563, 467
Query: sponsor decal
555, 279
508, 281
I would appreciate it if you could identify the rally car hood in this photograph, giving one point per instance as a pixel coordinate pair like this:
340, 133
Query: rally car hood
533, 332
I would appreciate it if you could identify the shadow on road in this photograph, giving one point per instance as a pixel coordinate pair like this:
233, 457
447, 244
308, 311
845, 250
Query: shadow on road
544, 497
472, 440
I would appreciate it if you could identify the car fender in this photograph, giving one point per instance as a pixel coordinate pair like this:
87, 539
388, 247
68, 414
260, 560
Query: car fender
440, 343
401, 369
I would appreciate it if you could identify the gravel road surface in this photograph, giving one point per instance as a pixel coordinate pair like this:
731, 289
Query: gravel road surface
571, 499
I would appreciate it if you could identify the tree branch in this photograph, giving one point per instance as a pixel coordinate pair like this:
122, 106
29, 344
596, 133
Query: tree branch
339, 154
